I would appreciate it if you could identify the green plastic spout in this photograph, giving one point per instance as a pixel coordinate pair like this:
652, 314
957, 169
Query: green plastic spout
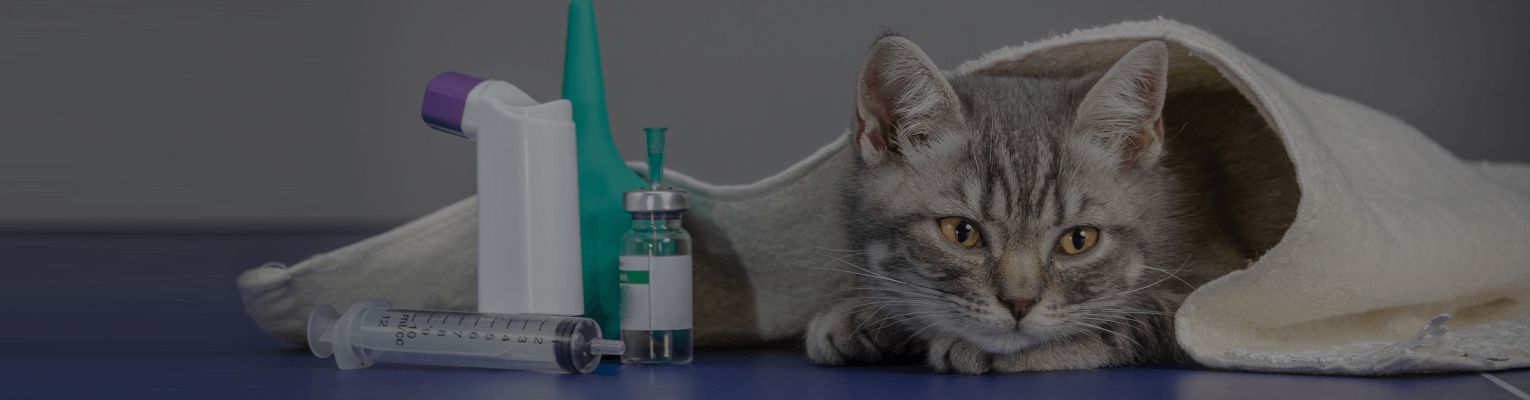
603, 176
655, 154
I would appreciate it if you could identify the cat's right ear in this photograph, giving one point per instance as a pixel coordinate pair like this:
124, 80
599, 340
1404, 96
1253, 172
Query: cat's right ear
1123, 113
901, 100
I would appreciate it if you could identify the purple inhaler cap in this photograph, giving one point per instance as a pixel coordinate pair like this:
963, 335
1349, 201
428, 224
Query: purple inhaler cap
445, 97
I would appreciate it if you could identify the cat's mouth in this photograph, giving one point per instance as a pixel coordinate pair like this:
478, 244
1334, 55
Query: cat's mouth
1018, 337
1019, 326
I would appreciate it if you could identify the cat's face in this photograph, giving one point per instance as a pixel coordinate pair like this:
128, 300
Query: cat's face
1014, 212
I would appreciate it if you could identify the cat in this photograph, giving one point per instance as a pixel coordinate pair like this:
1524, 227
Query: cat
1004, 223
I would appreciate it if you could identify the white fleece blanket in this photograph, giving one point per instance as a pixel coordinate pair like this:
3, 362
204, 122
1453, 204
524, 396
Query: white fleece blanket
1395, 243
1401, 258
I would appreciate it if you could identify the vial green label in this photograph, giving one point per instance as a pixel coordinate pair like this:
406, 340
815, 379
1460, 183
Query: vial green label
634, 277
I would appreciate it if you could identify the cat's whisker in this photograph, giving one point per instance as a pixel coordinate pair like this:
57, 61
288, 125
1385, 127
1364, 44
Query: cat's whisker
1114, 318
862, 307
915, 334
822, 267
1123, 317
875, 276
925, 296
963, 330
1101, 329
818, 288
1176, 276
1121, 312
1132, 324
1135, 290
882, 304
885, 323
1084, 333
836, 250
870, 273
904, 315
861, 288
870, 296
841, 290
911, 336
1109, 325
882, 300
922, 296
879, 304
1134, 311
1099, 319
865, 298
900, 318
870, 316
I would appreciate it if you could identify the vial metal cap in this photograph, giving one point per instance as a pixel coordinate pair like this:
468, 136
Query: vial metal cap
648, 200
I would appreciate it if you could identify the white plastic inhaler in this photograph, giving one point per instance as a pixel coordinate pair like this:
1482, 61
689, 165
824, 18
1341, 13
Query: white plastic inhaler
528, 192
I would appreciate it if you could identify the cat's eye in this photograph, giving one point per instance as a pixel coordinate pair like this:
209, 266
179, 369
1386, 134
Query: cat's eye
960, 231
1077, 240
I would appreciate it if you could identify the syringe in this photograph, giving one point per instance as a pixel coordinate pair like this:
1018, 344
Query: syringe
371, 332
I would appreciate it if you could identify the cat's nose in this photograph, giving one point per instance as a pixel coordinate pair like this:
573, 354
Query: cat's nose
1019, 308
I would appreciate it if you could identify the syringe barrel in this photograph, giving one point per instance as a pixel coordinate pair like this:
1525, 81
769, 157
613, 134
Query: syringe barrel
371, 332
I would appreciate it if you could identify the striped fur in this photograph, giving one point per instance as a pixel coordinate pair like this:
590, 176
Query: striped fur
1026, 159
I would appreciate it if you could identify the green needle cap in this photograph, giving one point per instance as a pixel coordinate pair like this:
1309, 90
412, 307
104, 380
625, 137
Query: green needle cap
655, 154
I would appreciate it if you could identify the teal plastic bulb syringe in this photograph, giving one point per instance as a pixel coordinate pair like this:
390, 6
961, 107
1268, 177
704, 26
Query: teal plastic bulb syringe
603, 174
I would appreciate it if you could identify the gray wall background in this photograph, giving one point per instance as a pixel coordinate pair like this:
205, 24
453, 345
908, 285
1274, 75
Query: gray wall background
302, 114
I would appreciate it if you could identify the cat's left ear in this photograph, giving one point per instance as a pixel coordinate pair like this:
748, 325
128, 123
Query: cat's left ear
1123, 113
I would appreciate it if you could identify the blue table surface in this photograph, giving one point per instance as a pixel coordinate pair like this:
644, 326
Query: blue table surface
157, 315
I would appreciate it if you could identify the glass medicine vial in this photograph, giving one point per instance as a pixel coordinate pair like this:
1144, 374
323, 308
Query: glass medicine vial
655, 279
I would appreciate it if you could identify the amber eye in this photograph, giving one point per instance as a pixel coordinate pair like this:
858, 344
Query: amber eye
960, 231
1077, 240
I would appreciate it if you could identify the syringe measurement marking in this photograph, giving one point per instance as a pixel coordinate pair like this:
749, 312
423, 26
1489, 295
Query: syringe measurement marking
406, 333
403, 326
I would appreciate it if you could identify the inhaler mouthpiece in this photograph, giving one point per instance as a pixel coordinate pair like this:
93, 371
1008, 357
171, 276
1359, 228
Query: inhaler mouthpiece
455, 103
445, 98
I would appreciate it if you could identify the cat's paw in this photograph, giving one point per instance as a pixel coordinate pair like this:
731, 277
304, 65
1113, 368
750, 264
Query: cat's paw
950, 354
842, 335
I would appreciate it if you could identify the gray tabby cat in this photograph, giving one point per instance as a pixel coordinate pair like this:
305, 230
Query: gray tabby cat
1008, 223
